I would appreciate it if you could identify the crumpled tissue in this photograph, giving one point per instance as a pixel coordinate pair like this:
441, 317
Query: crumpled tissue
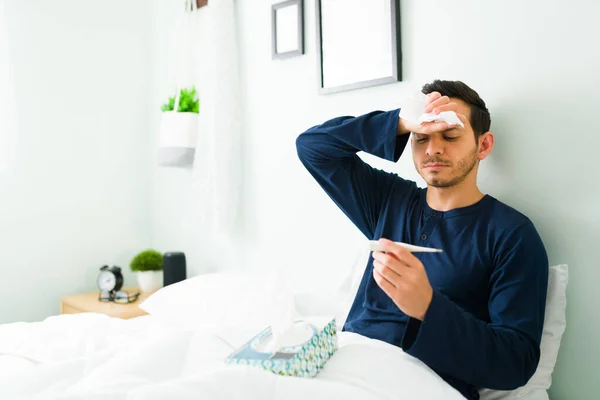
283, 316
413, 111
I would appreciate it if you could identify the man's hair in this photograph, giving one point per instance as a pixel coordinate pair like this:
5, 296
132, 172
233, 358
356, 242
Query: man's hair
480, 116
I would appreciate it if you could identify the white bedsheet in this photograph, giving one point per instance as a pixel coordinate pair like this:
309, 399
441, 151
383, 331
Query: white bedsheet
91, 356
14, 365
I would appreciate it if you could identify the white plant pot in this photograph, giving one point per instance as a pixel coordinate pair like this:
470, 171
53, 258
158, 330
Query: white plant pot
150, 281
177, 138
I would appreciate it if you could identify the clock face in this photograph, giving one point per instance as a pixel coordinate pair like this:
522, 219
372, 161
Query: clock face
106, 281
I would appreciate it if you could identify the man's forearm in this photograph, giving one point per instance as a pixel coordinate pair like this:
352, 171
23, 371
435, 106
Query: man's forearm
374, 133
329, 153
469, 349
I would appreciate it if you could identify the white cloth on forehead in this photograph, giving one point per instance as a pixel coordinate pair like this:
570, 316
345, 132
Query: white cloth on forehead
413, 111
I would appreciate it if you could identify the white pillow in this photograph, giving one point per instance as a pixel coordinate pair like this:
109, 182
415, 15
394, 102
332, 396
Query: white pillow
221, 300
555, 323
339, 299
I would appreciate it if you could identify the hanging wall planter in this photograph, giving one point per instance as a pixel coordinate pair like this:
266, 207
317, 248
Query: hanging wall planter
179, 122
179, 129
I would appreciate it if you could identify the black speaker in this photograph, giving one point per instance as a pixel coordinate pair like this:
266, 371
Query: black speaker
173, 268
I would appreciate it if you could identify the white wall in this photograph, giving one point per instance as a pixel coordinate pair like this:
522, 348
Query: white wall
79, 193
7, 106
535, 64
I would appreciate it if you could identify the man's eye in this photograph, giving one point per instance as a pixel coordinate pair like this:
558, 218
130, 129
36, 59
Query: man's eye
450, 139
421, 140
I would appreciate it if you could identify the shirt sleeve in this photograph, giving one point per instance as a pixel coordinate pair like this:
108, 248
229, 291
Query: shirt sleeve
329, 153
500, 354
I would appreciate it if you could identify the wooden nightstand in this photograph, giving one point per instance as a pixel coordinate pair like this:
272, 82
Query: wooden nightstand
88, 302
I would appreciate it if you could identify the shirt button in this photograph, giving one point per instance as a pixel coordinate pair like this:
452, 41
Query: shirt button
423, 237
433, 214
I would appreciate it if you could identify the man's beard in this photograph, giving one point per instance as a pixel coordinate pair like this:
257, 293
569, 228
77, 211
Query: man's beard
464, 167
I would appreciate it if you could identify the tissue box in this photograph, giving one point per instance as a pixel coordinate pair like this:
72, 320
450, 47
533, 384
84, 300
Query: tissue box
303, 359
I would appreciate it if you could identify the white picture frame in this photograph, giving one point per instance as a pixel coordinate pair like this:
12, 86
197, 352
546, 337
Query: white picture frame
358, 44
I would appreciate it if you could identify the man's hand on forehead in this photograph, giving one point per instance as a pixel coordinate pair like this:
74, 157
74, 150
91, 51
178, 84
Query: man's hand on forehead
436, 103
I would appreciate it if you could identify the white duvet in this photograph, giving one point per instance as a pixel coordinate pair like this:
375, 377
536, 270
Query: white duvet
92, 356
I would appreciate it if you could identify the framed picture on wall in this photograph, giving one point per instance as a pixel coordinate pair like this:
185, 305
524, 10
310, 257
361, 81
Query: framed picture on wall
358, 44
287, 27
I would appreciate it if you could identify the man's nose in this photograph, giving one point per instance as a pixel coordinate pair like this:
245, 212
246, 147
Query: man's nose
435, 146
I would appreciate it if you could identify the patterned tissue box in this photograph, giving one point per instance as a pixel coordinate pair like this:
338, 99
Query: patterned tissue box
303, 359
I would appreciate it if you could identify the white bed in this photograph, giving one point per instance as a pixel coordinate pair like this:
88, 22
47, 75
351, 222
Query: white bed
143, 358
177, 352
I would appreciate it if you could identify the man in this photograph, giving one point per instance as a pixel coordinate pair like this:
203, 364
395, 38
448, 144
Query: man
473, 313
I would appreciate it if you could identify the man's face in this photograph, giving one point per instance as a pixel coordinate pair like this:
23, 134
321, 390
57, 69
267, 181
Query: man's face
446, 158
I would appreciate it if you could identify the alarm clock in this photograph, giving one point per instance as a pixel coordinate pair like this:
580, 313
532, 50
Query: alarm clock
110, 279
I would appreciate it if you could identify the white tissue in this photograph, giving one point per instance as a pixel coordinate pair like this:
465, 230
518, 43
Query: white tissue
290, 337
413, 106
413, 111
283, 311
449, 117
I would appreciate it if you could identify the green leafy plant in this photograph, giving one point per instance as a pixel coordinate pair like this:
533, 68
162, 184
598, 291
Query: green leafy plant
147, 260
188, 101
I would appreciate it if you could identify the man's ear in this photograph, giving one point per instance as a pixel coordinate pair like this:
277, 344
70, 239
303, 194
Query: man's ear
486, 144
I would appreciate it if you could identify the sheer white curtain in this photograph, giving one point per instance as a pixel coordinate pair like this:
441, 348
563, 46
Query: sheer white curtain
215, 197
8, 129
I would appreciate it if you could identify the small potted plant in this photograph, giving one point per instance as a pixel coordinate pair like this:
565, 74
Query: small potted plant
148, 266
179, 128
188, 102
